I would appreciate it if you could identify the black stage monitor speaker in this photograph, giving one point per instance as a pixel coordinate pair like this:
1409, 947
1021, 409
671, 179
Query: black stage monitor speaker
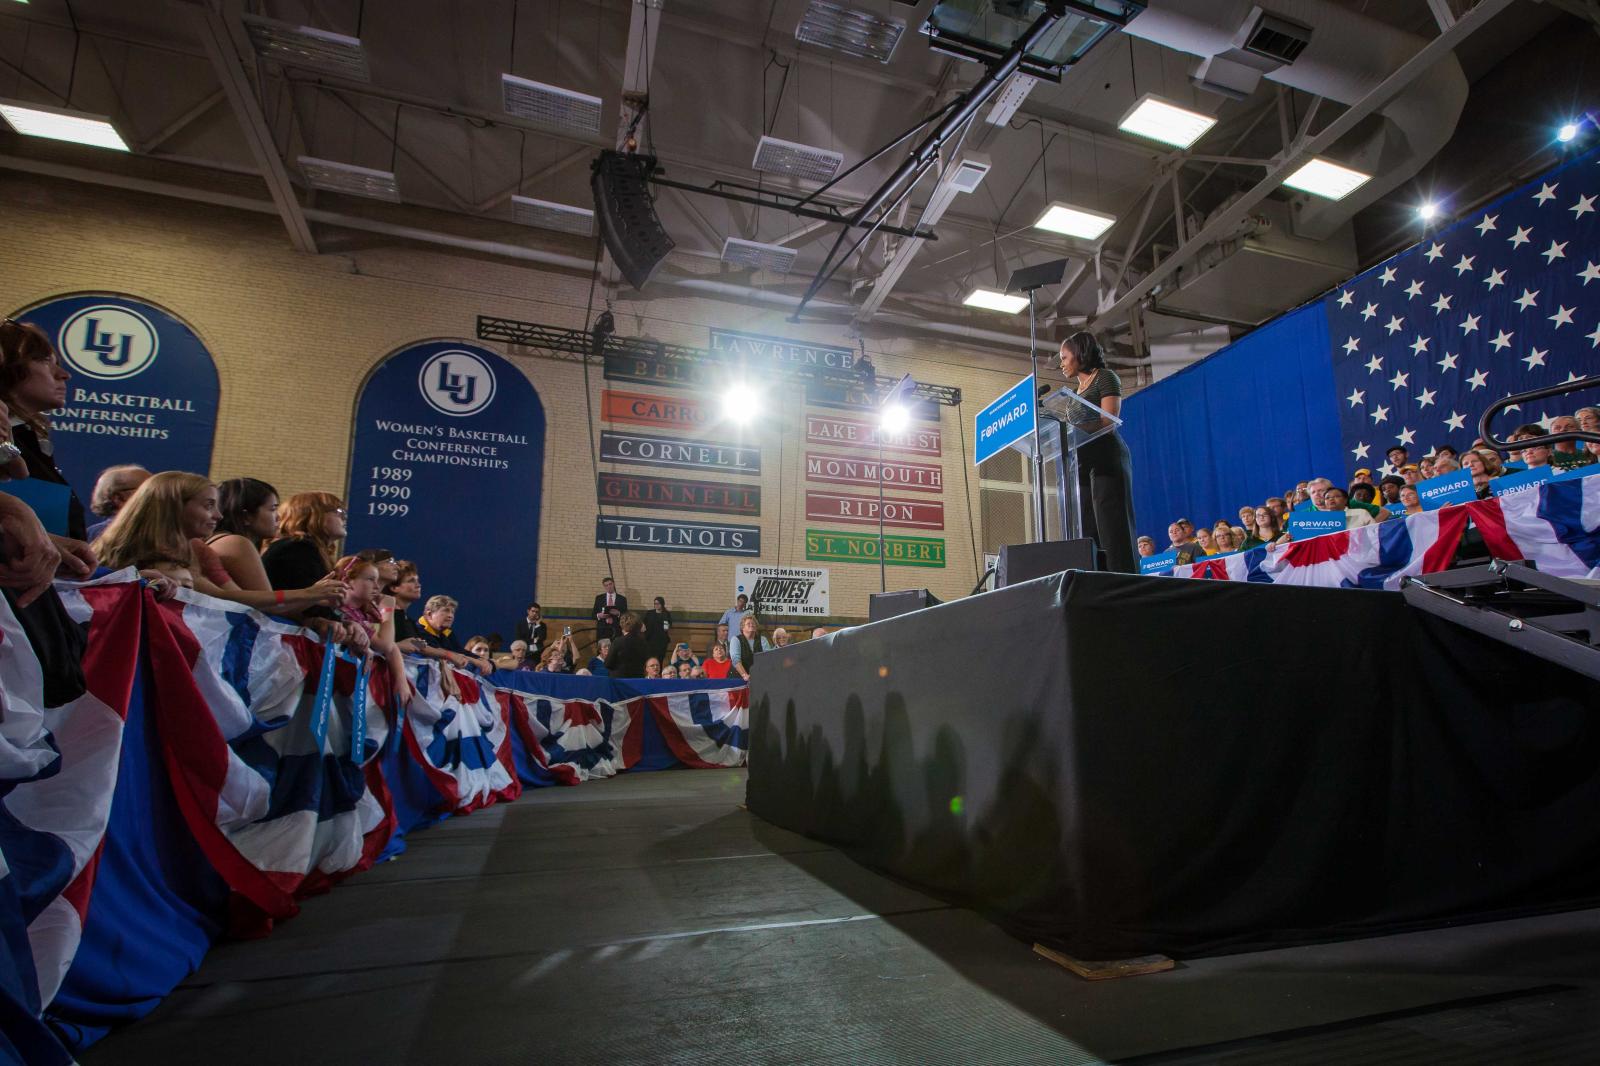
881, 605
627, 215
1024, 562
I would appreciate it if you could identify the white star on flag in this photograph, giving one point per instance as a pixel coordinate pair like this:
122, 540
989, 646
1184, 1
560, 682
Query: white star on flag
1478, 380
1455, 421
1427, 396
1369, 310
1394, 324
1464, 264
1535, 358
1360, 450
1356, 396
1486, 225
1570, 378
1590, 273
1520, 237
1448, 362
1471, 324
1434, 251
1352, 345
1374, 364
1414, 289
1584, 205
1594, 338
1345, 298
1441, 304
1420, 345
1407, 436
1562, 317
1502, 340
1387, 275
1555, 251
1546, 194
1495, 277
1528, 299
1399, 378
1379, 415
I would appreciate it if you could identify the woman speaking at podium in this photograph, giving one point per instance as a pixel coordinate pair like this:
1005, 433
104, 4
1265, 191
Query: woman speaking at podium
1105, 470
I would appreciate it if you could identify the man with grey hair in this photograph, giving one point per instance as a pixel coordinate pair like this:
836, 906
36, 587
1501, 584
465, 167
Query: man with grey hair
1567, 453
114, 487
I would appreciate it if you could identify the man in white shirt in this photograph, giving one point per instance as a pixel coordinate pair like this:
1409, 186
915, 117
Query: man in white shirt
609, 607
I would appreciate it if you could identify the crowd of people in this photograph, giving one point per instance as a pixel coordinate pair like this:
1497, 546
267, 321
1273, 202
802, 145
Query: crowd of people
285, 556
1393, 495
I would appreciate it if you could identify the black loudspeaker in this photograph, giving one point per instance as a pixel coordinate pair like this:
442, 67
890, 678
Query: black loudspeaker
1024, 562
881, 605
627, 215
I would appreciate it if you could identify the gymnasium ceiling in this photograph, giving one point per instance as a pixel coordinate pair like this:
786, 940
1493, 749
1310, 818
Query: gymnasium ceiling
719, 74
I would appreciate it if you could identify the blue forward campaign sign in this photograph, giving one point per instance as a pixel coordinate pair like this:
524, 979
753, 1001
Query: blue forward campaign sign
1005, 421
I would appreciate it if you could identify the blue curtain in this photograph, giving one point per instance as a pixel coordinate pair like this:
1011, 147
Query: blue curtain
1238, 426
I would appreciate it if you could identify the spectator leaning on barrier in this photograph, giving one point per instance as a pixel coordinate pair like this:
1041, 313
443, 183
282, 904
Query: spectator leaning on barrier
249, 519
1264, 530
1335, 499
746, 646
1409, 500
438, 632
113, 488
628, 652
1222, 539
1568, 454
310, 530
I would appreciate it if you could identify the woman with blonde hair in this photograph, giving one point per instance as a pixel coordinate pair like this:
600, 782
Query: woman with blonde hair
169, 518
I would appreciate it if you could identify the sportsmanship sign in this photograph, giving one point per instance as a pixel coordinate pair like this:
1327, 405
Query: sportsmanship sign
673, 494
789, 591
666, 535
847, 432
828, 547
863, 510
737, 346
644, 449
849, 470
646, 410
143, 388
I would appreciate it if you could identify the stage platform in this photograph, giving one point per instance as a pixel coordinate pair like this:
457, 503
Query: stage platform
1119, 765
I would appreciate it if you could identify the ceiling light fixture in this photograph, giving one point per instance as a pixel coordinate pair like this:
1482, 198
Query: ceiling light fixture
773, 258
775, 156
849, 30
550, 105
1074, 222
526, 211
308, 48
349, 179
1164, 121
1322, 177
62, 124
990, 300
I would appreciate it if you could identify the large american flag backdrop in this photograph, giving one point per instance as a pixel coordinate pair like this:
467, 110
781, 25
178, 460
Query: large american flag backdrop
1502, 301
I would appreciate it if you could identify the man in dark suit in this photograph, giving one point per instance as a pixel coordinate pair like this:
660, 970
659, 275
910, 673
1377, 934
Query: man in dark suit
628, 653
609, 606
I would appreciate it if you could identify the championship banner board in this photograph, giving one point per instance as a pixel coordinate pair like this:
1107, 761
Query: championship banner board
737, 346
674, 494
856, 397
824, 546
445, 431
658, 370
644, 409
644, 449
849, 433
785, 591
852, 470
143, 388
863, 510
667, 535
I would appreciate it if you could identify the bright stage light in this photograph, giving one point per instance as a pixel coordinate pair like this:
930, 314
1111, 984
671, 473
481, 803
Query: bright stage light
895, 418
990, 300
740, 403
1320, 177
1428, 211
1567, 132
62, 124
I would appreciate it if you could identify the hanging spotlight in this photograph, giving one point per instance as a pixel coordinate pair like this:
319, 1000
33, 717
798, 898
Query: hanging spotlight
1567, 132
895, 418
740, 403
1428, 211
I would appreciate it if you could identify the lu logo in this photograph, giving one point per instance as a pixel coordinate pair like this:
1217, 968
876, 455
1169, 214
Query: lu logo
461, 388
103, 345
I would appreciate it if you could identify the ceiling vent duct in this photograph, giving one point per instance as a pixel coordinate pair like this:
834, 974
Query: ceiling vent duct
969, 172
562, 109
850, 30
349, 179
774, 156
1277, 38
1345, 56
526, 211
773, 258
308, 49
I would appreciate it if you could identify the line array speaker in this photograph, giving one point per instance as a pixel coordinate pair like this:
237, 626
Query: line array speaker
627, 215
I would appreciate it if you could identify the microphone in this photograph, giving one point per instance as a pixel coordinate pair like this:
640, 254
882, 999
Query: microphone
1043, 388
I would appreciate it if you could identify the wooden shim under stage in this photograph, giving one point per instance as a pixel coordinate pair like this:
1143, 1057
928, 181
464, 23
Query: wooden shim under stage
1105, 970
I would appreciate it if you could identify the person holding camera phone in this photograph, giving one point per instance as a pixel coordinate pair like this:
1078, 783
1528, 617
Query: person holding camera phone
609, 607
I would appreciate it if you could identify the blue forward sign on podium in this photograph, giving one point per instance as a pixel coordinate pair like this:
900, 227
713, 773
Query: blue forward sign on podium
1005, 421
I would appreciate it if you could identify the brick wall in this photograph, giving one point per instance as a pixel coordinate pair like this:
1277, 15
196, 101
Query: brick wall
294, 336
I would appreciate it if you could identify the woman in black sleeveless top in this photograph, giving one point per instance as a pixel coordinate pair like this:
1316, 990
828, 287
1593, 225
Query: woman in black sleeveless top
1105, 470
